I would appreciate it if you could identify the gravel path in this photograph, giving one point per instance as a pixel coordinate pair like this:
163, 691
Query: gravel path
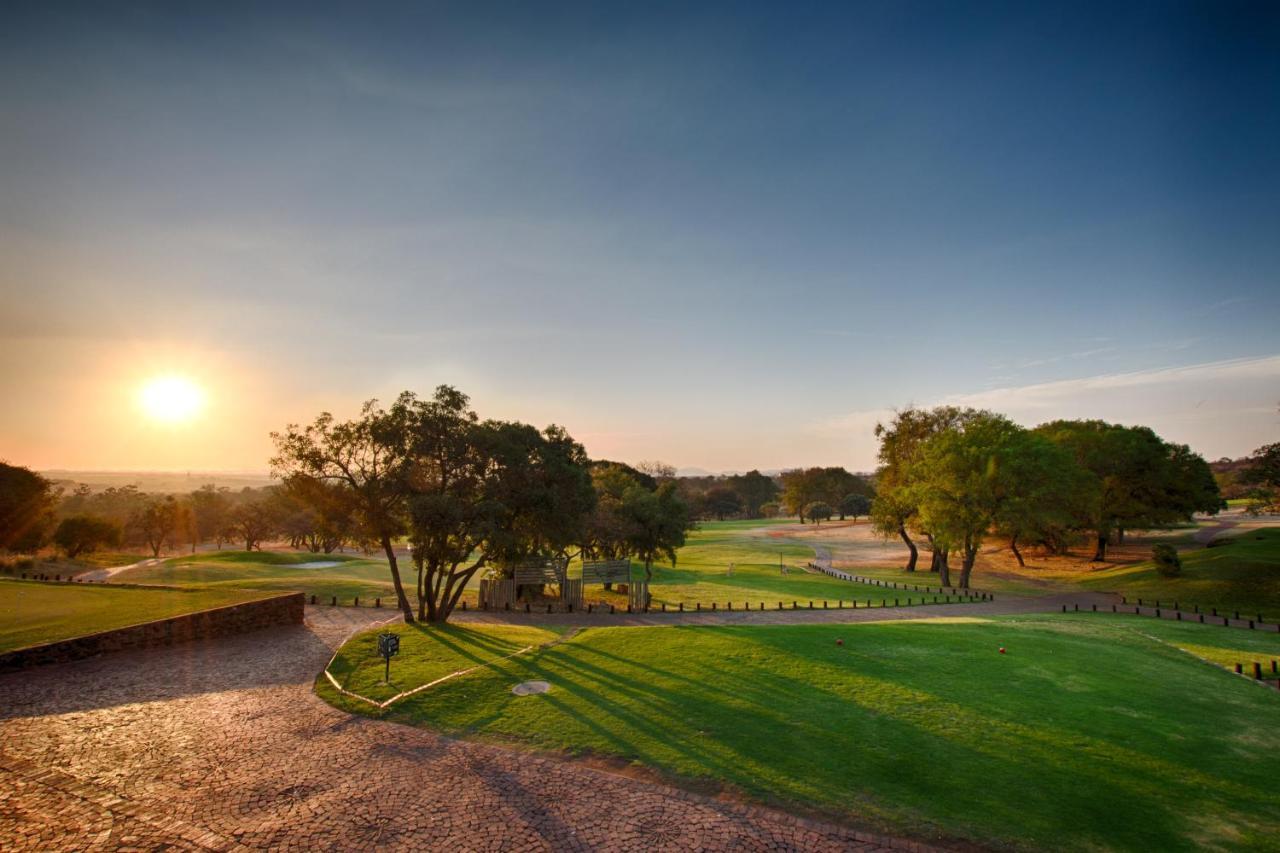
222, 745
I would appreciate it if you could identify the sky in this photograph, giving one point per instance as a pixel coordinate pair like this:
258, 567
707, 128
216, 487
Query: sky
725, 236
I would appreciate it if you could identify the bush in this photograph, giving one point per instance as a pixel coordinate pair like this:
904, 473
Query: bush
83, 534
818, 512
1167, 562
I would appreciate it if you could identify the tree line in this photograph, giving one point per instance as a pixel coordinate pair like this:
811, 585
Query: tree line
956, 477
85, 520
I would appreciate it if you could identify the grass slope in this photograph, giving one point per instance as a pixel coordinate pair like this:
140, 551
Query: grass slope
32, 613
701, 572
1242, 575
273, 570
1092, 732
427, 653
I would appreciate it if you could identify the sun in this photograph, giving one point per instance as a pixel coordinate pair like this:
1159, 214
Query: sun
171, 399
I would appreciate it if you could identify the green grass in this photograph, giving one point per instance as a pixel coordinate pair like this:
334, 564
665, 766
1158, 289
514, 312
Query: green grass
700, 574
32, 612
701, 570
427, 652
1093, 732
273, 570
1242, 575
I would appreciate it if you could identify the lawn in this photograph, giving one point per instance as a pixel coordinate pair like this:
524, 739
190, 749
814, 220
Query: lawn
427, 653
1243, 575
701, 573
1092, 732
345, 576
32, 612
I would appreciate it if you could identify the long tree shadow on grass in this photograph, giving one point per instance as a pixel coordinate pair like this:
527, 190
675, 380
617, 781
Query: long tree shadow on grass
917, 745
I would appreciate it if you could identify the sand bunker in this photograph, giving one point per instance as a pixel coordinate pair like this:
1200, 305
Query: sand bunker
524, 688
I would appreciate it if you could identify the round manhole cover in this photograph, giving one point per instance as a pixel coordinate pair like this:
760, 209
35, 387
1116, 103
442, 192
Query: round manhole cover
526, 687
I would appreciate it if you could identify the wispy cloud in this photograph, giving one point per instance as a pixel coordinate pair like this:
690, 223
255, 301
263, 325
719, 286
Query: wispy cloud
1220, 408
1047, 394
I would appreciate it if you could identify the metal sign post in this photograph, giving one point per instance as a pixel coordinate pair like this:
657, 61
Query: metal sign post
388, 646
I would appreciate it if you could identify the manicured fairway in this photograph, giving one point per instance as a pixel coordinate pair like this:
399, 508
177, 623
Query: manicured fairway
347, 577
1092, 732
32, 612
701, 573
1243, 575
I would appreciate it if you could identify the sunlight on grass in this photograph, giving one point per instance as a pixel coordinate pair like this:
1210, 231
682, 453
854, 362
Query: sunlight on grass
1058, 743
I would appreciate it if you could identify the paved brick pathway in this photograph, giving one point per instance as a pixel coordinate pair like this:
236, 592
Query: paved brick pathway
222, 745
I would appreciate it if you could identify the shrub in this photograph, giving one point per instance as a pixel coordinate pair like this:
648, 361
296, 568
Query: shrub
818, 512
82, 534
1167, 562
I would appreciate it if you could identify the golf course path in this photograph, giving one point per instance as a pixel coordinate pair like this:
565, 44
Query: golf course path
223, 745
1205, 535
107, 574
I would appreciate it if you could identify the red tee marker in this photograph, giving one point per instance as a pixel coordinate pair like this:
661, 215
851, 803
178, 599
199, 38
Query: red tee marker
1002, 650
839, 642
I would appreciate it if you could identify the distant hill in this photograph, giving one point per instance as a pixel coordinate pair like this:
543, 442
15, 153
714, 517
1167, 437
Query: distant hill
167, 482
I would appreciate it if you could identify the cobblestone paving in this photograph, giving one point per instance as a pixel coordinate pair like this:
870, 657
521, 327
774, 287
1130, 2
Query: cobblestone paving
223, 746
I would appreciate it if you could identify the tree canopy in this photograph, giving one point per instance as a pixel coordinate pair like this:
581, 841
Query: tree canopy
26, 508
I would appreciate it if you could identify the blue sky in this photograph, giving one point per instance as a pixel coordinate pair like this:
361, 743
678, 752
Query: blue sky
726, 236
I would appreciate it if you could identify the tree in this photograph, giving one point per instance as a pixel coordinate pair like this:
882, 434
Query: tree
1140, 480
184, 524
754, 489
83, 534
967, 475
818, 511
854, 505
770, 509
371, 458
26, 508
608, 529
211, 507
154, 522
1263, 473
659, 471
894, 511
254, 521
800, 488
721, 501
657, 522
487, 493
314, 514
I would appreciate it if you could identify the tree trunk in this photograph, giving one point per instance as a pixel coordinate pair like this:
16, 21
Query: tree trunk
944, 571
911, 546
1013, 546
966, 568
401, 599
1120, 536
422, 589
1100, 554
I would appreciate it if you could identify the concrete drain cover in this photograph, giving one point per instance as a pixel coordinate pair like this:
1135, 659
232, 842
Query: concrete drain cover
524, 688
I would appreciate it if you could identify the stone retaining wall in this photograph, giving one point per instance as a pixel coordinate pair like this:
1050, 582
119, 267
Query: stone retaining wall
202, 625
